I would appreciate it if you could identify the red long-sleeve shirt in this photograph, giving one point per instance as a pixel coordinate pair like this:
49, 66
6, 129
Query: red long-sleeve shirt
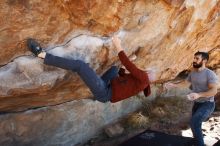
127, 85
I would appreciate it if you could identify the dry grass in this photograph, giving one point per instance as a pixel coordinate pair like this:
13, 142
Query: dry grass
138, 120
160, 110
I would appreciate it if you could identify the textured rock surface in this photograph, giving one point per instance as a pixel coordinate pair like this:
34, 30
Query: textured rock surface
163, 34
67, 124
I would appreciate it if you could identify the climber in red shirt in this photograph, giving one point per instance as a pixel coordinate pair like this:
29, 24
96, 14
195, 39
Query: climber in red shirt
114, 85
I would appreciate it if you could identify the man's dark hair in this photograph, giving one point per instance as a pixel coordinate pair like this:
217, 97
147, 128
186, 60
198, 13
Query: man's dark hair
205, 56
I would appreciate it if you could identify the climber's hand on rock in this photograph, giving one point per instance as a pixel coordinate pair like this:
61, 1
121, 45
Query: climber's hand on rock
117, 43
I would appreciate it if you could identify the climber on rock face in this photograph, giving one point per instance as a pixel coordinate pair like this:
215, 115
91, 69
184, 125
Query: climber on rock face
203, 83
114, 85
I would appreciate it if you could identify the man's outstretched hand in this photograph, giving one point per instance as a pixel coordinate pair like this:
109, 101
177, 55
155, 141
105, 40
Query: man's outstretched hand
117, 43
169, 85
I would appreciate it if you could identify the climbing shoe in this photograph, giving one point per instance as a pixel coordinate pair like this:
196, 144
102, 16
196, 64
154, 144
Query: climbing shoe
34, 46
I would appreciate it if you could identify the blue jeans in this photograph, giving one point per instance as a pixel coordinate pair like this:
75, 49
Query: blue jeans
99, 86
200, 113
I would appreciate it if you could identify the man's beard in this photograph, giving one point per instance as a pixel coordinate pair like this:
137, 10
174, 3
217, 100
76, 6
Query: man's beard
195, 65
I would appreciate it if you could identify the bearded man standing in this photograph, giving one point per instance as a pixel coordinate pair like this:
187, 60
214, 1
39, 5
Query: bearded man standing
203, 83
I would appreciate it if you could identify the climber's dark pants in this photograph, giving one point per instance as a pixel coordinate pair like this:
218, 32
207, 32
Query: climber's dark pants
99, 86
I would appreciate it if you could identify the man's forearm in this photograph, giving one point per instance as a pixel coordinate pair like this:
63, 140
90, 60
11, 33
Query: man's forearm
131, 67
209, 93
